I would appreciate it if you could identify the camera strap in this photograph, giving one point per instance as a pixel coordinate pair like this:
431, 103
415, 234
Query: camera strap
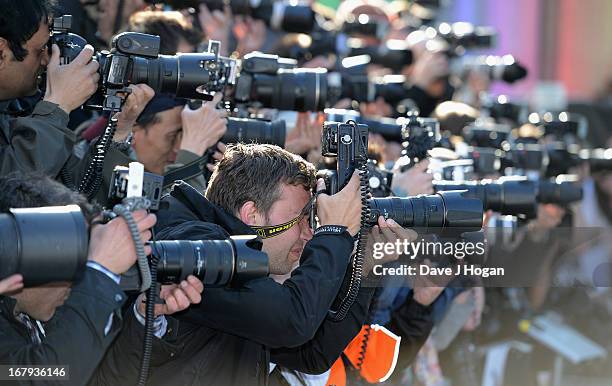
267, 231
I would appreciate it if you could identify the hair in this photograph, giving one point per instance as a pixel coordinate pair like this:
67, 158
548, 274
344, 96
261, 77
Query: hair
147, 120
454, 116
171, 26
19, 21
256, 172
32, 190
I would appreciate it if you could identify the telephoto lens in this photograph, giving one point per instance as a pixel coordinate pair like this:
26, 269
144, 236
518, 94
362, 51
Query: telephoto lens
44, 245
217, 263
247, 130
506, 195
563, 190
298, 89
437, 212
287, 16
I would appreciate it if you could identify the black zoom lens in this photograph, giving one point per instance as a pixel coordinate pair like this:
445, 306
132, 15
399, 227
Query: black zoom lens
43, 244
252, 130
184, 75
299, 89
506, 196
442, 210
560, 193
216, 263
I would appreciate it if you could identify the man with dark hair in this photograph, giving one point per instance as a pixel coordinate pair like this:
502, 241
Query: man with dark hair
39, 141
33, 333
35, 328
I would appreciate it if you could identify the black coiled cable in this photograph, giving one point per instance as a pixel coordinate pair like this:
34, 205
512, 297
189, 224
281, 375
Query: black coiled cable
90, 184
357, 263
147, 345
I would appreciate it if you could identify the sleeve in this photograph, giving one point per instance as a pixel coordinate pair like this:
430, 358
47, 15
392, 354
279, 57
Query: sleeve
78, 324
286, 315
319, 354
413, 323
40, 141
121, 364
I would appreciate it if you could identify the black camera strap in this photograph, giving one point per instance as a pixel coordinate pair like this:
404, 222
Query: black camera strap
186, 172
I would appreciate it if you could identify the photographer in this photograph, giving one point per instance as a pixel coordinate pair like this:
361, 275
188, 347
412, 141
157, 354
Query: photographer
233, 334
39, 141
48, 324
171, 138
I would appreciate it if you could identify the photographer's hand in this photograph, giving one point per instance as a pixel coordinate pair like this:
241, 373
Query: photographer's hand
343, 208
427, 289
217, 155
217, 25
250, 34
11, 284
307, 134
549, 217
177, 297
387, 231
413, 181
134, 105
203, 127
111, 244
70, 85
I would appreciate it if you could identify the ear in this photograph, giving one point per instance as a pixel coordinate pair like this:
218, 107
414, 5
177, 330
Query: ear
249, 214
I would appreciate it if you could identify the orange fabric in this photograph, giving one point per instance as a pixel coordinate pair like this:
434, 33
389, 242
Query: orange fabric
337, 374
380, 356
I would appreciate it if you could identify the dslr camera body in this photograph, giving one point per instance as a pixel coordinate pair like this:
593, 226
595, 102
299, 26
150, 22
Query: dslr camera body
134, 58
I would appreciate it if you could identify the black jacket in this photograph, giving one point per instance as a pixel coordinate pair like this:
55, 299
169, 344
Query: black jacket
74, 336
230, 338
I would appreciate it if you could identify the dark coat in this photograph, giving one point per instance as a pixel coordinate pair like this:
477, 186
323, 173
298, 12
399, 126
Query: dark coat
230, 338
74, 336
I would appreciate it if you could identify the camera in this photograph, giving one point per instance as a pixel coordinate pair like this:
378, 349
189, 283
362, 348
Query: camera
351, 80
486, 134
152, 186
437, 212
530, 159
279, 15
348, 142
43, 244
248, 130
501, 68
419, 135
501, 109
561, 190
379, 180
506, 195
393, 53
462, 36
389, 128
134, 58
50, 244
217, 263
270, 81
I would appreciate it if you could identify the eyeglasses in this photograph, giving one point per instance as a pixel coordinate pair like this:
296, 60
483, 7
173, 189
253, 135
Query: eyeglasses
267, 231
